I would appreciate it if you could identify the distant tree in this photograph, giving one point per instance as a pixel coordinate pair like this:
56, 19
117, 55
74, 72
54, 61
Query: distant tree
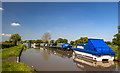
25, 41
46, 37
21, 41
39, 41
65, 41
77, 42
59, 40
6, 41
46, 42
15, 38
108, 42
116, 39
29, 41
119, 29
81, 40
52, 41
56, 41
72, 42
33, 41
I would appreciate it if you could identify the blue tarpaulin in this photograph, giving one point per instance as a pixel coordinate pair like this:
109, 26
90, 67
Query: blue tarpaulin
96, 47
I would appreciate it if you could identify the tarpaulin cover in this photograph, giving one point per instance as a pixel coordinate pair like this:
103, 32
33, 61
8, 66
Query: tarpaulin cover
96, 47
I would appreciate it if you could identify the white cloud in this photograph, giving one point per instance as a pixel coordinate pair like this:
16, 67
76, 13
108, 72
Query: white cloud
1, 9
15, 24
49, 31
3, 34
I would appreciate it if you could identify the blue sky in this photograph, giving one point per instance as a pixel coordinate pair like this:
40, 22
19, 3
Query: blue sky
69, 20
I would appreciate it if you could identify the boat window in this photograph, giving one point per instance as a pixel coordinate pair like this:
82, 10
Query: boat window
81, 47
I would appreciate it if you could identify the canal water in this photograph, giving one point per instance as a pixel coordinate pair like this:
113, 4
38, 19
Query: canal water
51, 59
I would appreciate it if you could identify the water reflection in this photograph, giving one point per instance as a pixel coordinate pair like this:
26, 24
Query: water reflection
51, 59
45, 53
90, 65
58, 52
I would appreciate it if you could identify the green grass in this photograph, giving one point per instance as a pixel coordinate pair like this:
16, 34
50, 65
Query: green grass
12, 51
13, 66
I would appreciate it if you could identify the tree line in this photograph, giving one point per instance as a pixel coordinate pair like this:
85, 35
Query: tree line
46, 38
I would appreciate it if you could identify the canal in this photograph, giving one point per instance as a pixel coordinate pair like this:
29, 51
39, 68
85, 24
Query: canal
49, 59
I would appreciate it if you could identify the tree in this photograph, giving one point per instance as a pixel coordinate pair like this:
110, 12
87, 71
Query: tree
116, 39
65, 41
21, 41
38, 41
60, 40
72, 42
6, 41
81, 40
77, 42
46, 37
56, 41
52, 41
46, 42
108, 42
25, 41
29, 41
15, 38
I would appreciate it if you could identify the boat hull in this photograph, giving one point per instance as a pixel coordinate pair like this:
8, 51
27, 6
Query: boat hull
94, 57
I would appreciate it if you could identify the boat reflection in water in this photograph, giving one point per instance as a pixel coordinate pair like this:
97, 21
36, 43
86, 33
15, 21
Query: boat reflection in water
58, 52
90, 65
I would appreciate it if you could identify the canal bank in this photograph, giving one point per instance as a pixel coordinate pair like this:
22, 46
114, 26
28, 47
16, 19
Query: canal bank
9, 59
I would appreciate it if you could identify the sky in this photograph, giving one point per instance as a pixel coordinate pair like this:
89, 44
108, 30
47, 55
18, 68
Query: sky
68, 20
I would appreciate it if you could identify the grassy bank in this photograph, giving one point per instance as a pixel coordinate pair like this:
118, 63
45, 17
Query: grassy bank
13, 66
12, 51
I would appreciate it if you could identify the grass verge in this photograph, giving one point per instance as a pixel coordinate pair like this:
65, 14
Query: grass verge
12, 51
13, 66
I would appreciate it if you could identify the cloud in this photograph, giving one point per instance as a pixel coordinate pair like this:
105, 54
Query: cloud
49, 31
3, 34
1, 9
15, 24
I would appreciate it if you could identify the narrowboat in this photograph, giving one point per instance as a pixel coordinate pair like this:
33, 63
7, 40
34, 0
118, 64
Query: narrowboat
64, 46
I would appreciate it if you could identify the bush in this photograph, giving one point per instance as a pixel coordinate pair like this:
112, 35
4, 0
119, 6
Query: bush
6, 45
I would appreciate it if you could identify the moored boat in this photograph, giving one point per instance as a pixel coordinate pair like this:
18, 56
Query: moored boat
95, 49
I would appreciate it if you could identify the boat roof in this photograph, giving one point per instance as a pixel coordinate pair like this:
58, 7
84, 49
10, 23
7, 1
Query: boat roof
97, 43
